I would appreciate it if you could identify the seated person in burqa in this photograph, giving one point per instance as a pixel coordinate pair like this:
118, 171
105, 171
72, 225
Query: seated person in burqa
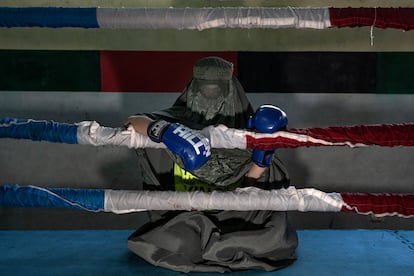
212, 241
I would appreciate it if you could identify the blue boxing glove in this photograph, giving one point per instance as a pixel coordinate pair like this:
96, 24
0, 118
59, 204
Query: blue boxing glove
267, 119
191, 145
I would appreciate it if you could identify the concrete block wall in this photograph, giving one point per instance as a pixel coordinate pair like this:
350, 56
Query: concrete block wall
373, 169
330, 169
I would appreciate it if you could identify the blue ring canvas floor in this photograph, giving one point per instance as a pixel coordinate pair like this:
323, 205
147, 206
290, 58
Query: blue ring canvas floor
104, 252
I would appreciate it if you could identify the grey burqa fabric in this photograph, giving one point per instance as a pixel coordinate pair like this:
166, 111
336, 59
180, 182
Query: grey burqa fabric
213, 241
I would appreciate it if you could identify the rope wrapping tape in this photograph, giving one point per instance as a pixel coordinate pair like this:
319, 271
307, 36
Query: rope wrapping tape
91, 133
38, 130
396, 18
50, 17
207, 18
385, 135
121, 201
245, 199
379, 205
38, 197
166, 18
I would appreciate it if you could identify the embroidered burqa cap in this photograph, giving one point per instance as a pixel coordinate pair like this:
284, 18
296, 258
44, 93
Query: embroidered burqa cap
213, 96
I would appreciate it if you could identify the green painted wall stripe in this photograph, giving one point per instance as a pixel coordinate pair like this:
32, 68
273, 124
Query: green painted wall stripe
310, 72
301, 72
50, 70
395, 73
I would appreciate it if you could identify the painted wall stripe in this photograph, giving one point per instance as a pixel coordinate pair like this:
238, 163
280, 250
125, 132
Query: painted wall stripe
152, 71
49, 70
308, 72
262, 72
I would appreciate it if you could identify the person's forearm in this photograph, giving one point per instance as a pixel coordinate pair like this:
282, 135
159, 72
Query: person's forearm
140, 123
255, 171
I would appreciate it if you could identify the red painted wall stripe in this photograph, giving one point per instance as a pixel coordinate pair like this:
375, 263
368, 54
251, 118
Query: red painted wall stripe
136, 71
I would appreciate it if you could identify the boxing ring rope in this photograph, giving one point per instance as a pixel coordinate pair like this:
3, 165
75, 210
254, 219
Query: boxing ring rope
119, 202
242, 199
207, 18
220, 136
